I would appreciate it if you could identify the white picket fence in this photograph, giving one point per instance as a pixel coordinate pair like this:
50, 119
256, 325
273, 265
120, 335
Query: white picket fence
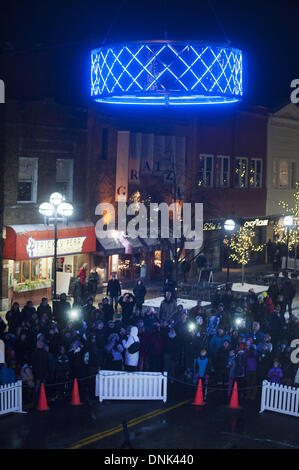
11, 398
280, 398
116, 385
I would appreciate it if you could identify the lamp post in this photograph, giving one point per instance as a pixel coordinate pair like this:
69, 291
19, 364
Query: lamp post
288, 222
55, 211
229, 226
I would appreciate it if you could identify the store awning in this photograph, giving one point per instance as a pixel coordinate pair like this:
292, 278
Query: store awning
37, 241
132, 245
109, 246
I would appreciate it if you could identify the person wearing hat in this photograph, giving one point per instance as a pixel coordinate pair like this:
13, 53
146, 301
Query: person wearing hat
132, 349
107, 309
88, 309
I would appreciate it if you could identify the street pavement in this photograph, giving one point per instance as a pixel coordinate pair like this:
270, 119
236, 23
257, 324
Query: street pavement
177, 424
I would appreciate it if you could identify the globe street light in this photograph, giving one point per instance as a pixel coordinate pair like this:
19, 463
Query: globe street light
229, 226
288, 222
55, 211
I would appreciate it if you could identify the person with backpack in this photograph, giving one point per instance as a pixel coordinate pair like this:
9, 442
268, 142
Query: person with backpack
132, 347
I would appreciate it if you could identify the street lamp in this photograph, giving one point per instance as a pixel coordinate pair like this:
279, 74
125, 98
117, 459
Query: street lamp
229, 226
288, 222
55, 211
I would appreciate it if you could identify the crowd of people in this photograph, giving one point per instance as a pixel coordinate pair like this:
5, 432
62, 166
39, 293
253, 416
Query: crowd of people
240, 338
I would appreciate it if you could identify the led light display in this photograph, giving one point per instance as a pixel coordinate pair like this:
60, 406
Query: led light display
166, 73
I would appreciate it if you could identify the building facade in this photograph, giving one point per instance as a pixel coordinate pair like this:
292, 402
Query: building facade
282, 167
216, 157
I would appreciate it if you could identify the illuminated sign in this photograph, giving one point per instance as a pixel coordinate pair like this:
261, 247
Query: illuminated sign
43, 248
210, 226
166, 73
256, 223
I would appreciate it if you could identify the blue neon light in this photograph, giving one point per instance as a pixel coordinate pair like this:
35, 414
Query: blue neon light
166, 72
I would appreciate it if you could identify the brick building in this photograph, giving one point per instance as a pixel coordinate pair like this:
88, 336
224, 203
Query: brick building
44, 148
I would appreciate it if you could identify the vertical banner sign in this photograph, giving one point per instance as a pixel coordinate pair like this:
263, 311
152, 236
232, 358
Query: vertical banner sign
134, 158
169, 158
159, 153
147, 154
122, 166
180, 158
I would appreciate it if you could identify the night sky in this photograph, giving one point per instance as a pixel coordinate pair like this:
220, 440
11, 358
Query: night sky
44, 46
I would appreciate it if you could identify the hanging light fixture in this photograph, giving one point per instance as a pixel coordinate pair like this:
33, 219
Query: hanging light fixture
166, 73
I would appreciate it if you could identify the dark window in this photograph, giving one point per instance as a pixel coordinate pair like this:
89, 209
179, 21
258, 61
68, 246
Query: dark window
24, 191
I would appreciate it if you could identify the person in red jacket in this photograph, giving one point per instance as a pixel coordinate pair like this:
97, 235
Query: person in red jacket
269, 306
83, 273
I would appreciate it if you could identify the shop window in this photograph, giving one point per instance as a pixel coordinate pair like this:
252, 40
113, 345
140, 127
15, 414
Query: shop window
64, 178
206, 171
255, 175
222, 171
241, 173
32, 270
158, 259
284, 174
27, 179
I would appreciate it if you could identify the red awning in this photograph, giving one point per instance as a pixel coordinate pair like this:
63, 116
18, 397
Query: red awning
37, 241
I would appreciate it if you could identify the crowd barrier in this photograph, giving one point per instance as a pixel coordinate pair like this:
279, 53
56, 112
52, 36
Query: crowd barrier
11, 398
116, 385
280, 398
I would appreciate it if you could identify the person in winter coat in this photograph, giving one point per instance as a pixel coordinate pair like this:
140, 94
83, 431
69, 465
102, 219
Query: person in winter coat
114, 353
275, 374
40, 364
77, 291
220, 363
168, 307
127, 302
28, 311
132, 352
77, 363
93, 280
14, 318
113, 290
212, 324
276, 325
217, 341
273, 291
288, 291
108, 310
7, 375
259, 310
231, 367
264, 363
154, 343
139, 292
44, 307
82, 274
170, 286
170, 351
61, 310
251, 361
149, 319
200, 365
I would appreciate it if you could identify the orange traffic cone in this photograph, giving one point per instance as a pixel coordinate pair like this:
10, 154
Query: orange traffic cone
199, 397
42, 402
75, 394
234, 401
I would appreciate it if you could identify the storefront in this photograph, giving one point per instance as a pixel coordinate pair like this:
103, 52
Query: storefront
129, 258
28, 259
